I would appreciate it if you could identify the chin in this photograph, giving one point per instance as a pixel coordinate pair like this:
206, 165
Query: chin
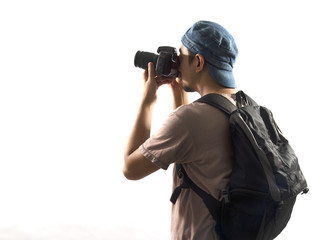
188, 89
184, 86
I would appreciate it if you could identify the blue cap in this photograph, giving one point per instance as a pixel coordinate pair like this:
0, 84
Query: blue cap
217, 47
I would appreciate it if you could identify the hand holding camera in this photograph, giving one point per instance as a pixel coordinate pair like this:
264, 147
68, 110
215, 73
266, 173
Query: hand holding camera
166, 69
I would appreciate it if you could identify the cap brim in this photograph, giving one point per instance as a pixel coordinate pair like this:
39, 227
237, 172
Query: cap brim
223, 77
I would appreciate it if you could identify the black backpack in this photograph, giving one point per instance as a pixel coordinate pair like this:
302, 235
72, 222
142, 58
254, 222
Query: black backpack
265, 180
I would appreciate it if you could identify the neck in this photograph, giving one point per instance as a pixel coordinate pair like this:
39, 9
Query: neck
216, 89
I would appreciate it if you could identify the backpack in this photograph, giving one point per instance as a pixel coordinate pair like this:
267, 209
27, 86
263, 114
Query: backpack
266, 178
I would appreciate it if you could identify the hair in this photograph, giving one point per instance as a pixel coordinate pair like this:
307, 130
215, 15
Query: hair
191, 56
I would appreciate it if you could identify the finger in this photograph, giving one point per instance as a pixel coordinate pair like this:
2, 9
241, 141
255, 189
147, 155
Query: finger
164, 81
151, 70
145, 75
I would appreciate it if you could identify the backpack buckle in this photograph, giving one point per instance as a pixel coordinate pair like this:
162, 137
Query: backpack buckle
225, 196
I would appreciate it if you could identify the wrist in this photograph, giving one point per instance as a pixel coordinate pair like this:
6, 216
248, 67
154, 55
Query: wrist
180, 97
147, 104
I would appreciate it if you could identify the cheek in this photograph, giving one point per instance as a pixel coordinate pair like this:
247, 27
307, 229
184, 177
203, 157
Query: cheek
186, 80
185, 73
183, 68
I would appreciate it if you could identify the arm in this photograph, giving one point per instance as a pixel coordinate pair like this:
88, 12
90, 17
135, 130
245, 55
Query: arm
180, 97
136, 166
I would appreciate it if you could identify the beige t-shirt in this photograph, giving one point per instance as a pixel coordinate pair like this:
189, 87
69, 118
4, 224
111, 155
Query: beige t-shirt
196, 135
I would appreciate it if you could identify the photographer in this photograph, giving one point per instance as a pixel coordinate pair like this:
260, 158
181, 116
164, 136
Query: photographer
196, 134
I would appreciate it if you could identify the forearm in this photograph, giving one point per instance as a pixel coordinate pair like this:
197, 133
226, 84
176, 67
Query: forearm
136, 165
180, 97
141, 128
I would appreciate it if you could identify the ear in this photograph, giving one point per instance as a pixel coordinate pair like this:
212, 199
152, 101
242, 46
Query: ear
200, 62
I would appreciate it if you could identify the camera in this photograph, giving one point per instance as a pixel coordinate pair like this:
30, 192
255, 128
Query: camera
166, 63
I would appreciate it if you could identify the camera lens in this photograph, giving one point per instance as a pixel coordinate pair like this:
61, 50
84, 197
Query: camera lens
142, 59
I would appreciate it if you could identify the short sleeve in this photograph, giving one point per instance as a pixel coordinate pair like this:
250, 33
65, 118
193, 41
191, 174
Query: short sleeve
171, 143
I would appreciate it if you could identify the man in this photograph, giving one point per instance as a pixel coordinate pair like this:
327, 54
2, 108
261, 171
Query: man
196, 134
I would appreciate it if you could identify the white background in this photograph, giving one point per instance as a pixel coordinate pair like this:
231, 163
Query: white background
69, 94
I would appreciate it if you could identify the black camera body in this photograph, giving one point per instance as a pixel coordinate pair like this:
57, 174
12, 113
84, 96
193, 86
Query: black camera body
166, 63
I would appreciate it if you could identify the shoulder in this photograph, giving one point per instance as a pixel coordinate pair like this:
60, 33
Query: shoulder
186, 118
195, 111
192, 108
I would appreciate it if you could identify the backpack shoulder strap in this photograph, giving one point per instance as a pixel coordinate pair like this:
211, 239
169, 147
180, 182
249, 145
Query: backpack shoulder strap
211, 203
223, 104
218, 101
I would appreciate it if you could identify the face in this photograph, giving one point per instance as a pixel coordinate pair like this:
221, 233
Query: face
185, 70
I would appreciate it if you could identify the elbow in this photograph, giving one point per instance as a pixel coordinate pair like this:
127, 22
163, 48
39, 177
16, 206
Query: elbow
129, 174
125, 170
